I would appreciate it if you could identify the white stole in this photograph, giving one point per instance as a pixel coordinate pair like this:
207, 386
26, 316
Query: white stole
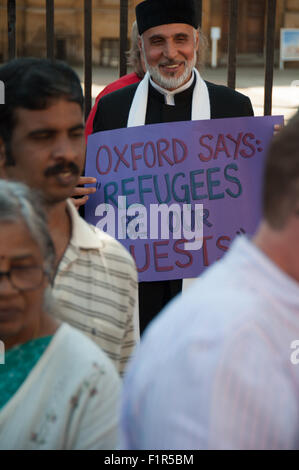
200, 102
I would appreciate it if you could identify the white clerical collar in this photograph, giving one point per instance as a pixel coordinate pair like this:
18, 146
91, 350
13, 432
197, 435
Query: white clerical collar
169, 95
201, 108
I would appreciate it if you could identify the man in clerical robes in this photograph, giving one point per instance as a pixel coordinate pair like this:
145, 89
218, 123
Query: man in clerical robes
172, 90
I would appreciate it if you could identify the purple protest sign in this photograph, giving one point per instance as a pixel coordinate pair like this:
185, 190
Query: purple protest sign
161, 186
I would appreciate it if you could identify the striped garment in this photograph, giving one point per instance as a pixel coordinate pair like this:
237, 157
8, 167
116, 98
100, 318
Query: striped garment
96, 287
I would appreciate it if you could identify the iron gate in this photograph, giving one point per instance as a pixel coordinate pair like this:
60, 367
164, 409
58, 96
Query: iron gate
123, 33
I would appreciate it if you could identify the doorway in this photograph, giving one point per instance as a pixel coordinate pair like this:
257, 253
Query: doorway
251, 26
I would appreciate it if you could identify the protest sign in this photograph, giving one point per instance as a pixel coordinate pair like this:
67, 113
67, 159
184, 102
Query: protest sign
176, 194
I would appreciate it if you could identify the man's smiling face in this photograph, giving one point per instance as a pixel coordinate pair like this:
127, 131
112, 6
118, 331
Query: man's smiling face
170, 53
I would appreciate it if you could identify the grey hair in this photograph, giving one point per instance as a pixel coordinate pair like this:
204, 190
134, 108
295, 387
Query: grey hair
19, 203
202, 49
133, 55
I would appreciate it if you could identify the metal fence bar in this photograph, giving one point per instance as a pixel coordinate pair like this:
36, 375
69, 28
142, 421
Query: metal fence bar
199, 6
232, 43
50, 29
123, 35
87, 55
11, 27
270, 45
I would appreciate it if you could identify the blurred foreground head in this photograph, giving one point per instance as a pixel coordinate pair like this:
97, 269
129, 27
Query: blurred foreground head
281, 177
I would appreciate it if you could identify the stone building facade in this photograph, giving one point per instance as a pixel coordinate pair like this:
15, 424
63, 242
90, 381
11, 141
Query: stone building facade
69, 27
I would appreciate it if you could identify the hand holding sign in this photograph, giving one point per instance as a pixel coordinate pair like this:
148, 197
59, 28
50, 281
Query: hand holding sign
81, 193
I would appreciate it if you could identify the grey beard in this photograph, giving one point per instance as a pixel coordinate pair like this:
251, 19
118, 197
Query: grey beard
170, 83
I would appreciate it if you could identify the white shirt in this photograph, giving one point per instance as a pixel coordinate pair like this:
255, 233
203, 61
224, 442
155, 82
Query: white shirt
69, 400
214, 370
96, 288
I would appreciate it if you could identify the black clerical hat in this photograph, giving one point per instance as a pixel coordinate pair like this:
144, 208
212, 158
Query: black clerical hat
152, 13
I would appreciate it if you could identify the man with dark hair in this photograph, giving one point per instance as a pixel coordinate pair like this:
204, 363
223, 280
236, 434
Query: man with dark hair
172, 90
42, 144
226, 375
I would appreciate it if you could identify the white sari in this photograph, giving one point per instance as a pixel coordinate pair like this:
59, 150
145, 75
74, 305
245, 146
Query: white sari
68, 401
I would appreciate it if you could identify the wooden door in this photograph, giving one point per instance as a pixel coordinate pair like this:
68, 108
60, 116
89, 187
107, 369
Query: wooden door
251, 26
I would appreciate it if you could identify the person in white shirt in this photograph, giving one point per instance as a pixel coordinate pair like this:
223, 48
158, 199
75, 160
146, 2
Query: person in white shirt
219, 369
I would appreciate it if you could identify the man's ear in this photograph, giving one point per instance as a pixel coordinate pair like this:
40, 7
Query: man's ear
142, 55
139, 42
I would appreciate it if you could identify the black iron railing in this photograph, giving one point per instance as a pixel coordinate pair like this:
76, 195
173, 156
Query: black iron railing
123, 29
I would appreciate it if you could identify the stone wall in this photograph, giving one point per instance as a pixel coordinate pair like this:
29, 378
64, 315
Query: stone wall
31, 27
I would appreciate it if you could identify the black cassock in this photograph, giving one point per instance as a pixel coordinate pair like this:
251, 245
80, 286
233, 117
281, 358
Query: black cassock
112, 113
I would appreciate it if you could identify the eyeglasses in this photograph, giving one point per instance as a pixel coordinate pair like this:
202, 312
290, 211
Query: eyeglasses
25, 277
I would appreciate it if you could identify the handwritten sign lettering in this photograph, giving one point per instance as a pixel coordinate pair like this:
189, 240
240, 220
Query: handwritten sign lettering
176, 194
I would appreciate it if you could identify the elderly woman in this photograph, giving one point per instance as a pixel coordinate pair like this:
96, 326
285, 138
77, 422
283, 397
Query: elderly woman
58, 390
